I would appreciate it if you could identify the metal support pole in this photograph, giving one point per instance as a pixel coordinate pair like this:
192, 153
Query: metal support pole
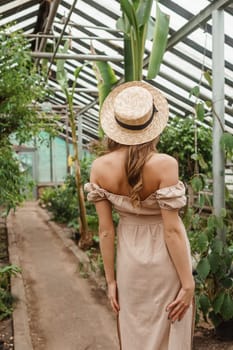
80, 57
218, 114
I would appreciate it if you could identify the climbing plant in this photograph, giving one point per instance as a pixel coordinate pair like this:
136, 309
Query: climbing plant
178, 140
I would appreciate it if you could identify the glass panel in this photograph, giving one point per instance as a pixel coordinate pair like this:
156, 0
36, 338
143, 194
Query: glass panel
27, 167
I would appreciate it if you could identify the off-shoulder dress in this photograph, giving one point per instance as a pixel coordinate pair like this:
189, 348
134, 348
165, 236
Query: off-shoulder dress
146, 276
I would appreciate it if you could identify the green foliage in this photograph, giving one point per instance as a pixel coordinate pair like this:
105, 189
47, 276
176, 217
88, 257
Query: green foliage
178, 141
6, 299
20, 87
136, 24
227, 144
12, 180
214, 278
62, 201
159, 42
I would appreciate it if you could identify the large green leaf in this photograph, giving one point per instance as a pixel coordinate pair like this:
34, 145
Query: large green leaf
129, 10
143, 12
123, 25
106, 79
202, 242
204, 303
128, 59
159, 42
203, 268
218, 301
215, 262
227, 307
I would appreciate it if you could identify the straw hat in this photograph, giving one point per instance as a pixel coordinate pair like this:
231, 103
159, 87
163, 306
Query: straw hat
134, 113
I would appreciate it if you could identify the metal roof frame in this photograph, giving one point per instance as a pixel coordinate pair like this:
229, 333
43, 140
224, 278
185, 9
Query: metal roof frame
85, 26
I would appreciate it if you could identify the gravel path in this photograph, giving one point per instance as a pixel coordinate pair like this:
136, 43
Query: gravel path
65, 311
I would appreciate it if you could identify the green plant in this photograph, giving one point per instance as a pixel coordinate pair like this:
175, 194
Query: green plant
137, 25
20, 87
213, 265
178, 140
61, 201
69, 94
12, 180
6, 299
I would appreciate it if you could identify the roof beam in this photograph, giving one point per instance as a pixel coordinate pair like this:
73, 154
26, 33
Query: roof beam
11, 5
196, 21
50, 19
77, 57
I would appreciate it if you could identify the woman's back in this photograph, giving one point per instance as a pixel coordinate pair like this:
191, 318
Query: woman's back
112, 175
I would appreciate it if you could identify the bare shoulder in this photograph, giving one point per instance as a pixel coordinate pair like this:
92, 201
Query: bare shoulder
98, 167
97, 164
163, 160
166, 169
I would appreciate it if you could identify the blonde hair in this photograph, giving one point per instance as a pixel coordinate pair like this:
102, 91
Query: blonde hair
136, 157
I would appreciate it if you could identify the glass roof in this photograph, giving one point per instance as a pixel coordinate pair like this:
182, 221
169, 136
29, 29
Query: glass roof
92, 21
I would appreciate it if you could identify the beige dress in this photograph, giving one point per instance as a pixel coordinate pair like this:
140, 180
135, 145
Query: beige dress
146, 277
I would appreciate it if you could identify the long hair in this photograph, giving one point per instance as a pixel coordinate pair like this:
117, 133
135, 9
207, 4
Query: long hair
136, 157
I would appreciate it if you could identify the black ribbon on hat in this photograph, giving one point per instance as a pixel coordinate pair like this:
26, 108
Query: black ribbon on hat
138, 127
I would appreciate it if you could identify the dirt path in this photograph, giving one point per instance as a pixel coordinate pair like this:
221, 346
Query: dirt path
65, 311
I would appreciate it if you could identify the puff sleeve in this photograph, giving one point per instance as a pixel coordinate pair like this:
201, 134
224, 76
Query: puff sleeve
172, 197
94, 192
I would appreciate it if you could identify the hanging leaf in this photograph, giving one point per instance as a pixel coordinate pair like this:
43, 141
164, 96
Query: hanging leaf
159, 42
209, 103
200, 110
203, 268
197, 184
201, 162
123, 25
207, 75
195, 91
223, 213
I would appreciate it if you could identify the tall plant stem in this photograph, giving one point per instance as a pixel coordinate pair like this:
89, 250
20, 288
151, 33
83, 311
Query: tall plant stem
82, 219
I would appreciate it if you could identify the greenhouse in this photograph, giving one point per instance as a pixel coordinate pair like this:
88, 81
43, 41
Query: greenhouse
64, 66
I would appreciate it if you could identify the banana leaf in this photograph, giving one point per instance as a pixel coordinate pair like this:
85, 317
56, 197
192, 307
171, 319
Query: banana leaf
159, 42
134, 23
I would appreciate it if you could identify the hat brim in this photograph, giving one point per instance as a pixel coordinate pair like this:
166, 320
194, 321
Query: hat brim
134, 137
